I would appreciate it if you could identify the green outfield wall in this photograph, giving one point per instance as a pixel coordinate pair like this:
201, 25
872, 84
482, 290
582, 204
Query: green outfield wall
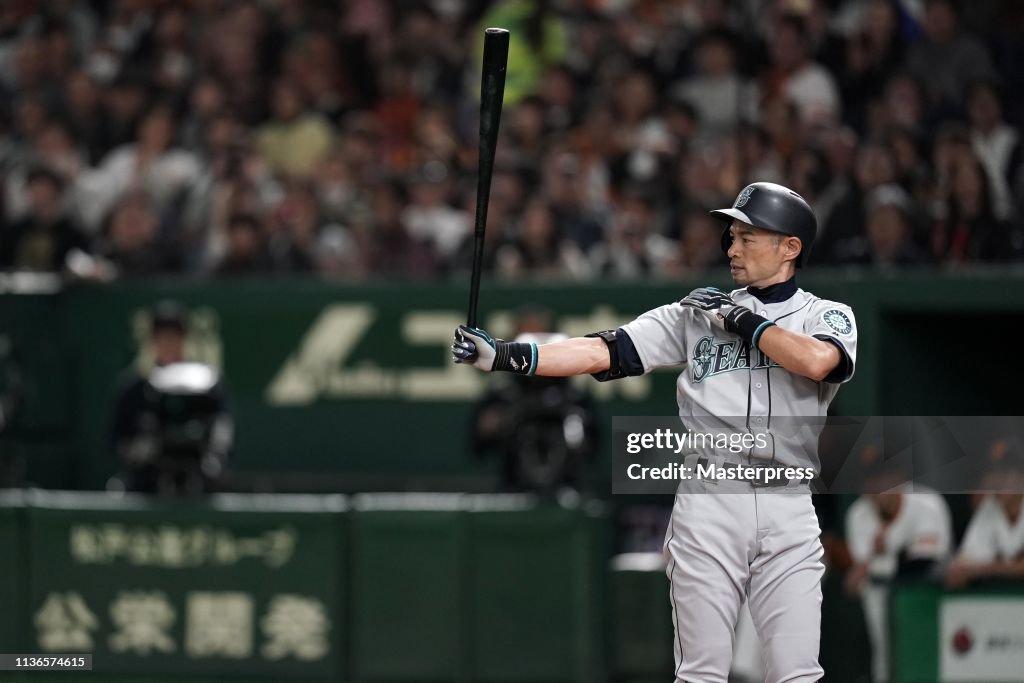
418, 588
324, 588
356, 383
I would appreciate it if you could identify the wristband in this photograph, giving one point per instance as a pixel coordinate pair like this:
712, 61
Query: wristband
516, 357
747, 324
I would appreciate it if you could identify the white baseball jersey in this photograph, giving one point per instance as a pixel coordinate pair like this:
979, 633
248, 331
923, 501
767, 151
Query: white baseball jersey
921, 530
991, 537
727, 548
723, 378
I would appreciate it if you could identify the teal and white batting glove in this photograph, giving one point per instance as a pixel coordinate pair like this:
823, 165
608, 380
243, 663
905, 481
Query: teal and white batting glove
727, 314
475, 347
709, 300
714, 303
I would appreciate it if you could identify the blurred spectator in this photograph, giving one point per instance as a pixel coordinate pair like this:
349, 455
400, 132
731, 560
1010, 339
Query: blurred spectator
390, 250
901, 105
525, 135
29, 116
246, 249
429, 215
873, 51
808, 174
912, 172
295, 228
207, 101
132, 239
215, 109
698, 249
633, 249
560, 96
758, 155
721, 96
797, 78
889, 234
54, 149
950, 149
124, 104
152, 163
83, 108
842, 239
539, 251
563, 190
42, 239
296, 139
947, 59
970, 230
427, 39
397, 110
640, 143
172, 54
996, 143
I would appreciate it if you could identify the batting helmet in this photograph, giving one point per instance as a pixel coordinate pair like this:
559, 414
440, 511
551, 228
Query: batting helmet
772, 207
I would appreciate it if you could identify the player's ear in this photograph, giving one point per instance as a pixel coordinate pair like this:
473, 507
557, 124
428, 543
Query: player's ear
791, 247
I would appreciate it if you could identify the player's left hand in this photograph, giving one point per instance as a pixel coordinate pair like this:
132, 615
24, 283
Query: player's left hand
475, 347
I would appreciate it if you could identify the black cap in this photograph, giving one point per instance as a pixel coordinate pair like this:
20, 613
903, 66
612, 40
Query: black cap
169, 315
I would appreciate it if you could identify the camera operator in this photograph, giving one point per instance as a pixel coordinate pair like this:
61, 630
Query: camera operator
172, 429
543, 428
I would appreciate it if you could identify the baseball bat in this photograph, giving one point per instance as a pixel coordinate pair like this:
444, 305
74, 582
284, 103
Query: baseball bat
492, 93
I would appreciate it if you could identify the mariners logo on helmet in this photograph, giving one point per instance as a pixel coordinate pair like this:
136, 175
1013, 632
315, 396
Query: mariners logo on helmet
744, 196
838, 321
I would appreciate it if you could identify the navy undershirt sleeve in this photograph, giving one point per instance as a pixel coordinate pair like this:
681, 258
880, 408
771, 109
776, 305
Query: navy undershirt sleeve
841, 372
629, 357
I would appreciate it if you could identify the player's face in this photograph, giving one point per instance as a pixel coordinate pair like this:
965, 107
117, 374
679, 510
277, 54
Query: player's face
887, 504
169, 346
1011, 503
759, 257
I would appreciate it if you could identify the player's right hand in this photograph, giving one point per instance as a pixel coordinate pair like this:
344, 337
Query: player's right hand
708, 299
475, 347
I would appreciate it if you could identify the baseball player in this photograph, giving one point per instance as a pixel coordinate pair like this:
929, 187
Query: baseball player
890, 535
993, 545
764, 351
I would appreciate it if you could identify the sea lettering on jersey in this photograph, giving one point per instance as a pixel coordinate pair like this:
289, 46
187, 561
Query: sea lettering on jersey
722, 376
713, 356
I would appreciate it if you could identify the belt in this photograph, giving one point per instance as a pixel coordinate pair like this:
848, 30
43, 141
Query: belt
703, 461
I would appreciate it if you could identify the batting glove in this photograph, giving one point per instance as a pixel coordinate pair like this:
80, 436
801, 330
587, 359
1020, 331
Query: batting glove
714, 303
708, 299
475, 347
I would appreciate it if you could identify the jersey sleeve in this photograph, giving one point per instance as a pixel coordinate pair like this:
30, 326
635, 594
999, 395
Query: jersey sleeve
978, 544
659, 336
835, 323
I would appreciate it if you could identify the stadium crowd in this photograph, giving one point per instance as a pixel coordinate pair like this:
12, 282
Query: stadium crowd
221, 138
